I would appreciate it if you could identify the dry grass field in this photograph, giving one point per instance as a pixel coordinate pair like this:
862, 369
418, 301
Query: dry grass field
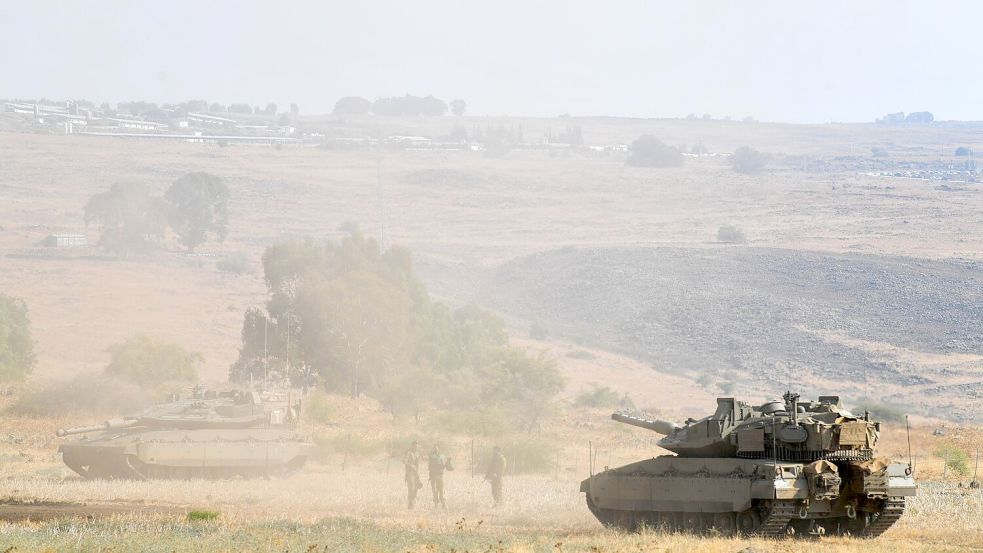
463, 215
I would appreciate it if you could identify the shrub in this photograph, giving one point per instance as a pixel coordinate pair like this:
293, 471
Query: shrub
318, 409
955, 458
87, 394
236, 263
202, 516
17, 357
748, 160
145, 361
729, 234
598, 396
649, 151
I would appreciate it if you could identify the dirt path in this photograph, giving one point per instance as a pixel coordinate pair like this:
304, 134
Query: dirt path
24, 512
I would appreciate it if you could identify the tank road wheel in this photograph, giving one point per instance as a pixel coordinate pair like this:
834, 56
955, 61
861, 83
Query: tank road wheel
724, 524
693, 523
748, 521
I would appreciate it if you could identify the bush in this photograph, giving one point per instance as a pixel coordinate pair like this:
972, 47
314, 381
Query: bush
649, 151
147, 362
729, 234
236, 263
202, 516
87, 394
956, 460
748, 160
318, 409
963, 151
17, 357
598, 396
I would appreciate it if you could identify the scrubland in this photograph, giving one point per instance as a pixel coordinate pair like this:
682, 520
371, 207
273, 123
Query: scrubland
464, 216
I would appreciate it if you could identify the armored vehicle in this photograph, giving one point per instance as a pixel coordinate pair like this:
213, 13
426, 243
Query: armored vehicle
781, 468
207, 435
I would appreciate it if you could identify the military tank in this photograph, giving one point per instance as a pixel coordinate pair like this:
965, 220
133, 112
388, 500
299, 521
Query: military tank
777, 469
206, 435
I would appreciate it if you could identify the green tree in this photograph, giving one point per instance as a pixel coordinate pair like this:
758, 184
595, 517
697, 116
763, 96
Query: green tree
17, 357
458, 107
148, 362
351, 319
352, 105
197, 205
649, 151
748, 160
132, 219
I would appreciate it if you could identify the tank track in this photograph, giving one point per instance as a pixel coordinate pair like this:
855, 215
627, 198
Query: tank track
889, 514
775, 524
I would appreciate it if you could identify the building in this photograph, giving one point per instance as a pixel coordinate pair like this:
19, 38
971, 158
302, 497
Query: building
131, 124
66, 241
204, 120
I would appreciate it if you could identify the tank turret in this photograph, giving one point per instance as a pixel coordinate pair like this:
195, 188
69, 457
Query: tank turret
207, 435
755, 468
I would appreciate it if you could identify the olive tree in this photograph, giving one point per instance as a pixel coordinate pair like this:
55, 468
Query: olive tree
197, 206
132, 219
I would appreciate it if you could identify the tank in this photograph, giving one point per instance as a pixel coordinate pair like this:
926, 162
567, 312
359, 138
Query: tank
207, 435
781, 468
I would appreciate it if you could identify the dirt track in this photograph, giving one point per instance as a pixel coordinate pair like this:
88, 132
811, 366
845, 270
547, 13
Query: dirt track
23, 512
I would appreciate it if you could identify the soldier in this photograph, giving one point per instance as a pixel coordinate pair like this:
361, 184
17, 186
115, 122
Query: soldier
436, 465
411, 462
496, 470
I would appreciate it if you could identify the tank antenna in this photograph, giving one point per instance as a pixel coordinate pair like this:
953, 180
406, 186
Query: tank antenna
907, 427
590, 457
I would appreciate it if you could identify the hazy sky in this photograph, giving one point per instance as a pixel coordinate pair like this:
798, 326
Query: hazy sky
784, 60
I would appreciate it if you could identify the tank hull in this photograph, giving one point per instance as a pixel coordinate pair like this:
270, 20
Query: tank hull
758, 497
182, 454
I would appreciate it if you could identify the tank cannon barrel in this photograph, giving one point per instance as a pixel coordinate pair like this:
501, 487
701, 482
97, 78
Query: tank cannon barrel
656, 425
111, 424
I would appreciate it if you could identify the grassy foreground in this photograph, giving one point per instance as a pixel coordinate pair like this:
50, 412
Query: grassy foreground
342, 534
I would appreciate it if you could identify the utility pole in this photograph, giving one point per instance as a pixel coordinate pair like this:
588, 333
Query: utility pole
266, 358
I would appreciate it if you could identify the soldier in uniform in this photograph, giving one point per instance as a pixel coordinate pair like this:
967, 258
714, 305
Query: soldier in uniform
496, 471
436, 465
411, 462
